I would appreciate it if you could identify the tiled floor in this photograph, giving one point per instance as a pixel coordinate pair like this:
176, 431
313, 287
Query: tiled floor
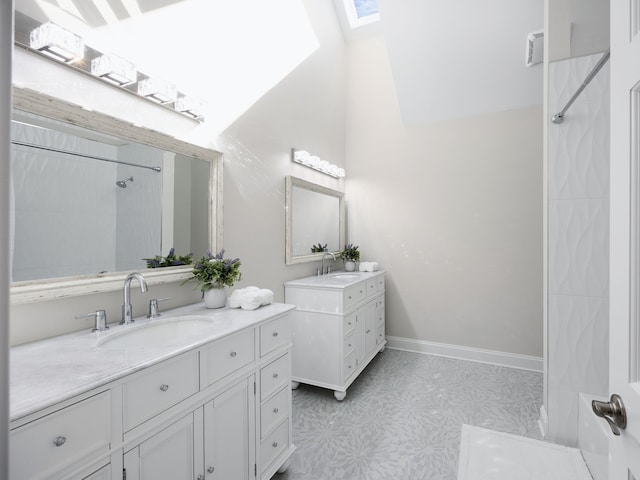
402, 418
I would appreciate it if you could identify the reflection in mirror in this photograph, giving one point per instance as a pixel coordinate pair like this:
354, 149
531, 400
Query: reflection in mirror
102, 195
88, 203
315, 215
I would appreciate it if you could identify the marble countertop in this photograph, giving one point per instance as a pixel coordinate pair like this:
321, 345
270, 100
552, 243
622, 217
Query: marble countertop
335, 280
49, 371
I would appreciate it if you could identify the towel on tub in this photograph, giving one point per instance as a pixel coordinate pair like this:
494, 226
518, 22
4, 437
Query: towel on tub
250, 298
368, 266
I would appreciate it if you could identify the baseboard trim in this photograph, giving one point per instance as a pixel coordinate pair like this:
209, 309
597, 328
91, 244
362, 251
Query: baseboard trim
512, 360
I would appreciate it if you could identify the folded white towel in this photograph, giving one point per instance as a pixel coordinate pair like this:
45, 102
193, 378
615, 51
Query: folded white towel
368, 266
250, 298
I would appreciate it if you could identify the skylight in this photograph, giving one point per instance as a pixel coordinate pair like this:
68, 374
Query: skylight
361, 12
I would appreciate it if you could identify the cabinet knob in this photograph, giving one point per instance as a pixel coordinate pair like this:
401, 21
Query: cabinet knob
275, 410
200, 477
233, 354
275, 334
210, 470
274, 444
59, 441
349, 297
349, 345
164, 387
275, 375
368, 331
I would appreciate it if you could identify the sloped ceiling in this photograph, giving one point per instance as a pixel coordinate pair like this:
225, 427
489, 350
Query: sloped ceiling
461, 58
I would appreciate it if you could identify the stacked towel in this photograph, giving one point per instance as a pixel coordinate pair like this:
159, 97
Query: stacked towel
250, 298
368, 266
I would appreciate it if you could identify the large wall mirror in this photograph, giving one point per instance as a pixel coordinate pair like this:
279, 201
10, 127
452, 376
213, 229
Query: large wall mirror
93, 197
314, 215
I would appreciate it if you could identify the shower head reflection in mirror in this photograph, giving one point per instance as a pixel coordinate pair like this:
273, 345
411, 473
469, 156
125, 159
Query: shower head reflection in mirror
123, 183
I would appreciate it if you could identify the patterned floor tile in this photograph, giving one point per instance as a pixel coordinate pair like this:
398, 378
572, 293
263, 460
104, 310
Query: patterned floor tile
402, 418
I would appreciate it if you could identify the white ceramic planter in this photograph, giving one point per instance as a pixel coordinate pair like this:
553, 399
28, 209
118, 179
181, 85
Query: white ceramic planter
350, 266
215, 297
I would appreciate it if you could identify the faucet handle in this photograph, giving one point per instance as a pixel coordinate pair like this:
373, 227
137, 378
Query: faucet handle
153, 307
101, 320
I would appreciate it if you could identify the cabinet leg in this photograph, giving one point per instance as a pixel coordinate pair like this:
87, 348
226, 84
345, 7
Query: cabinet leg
284, 467
339, 395
294, 384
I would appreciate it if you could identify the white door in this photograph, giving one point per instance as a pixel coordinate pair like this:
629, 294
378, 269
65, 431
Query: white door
624, 362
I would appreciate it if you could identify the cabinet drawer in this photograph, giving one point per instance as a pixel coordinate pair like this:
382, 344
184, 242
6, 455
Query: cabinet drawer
41, 448
227, 355
274, 335
274, 411
380, 334
380, 303
348, 366
274, 445
158, 388
372, 286
275, 376
348, 346
379, 317
380, 281
354, 294
349, 324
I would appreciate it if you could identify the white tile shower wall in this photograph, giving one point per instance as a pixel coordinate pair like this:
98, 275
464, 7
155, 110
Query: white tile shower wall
578, 244
55, 194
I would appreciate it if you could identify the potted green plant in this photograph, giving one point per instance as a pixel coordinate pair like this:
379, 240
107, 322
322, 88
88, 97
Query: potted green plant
319, 248
171, 260
350, 255
213, 273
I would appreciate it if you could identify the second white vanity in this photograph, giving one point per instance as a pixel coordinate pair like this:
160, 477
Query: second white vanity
196, 395
337, 328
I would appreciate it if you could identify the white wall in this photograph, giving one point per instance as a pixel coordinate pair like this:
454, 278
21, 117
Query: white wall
452, 211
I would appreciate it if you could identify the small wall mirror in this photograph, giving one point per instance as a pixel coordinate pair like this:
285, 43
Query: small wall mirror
91, 204
314, 216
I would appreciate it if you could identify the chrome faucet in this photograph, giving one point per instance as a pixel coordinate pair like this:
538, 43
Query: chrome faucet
328, 267
127, 316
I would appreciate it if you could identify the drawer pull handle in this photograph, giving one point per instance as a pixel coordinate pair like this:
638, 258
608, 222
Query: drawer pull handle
275, 410
368, 331
59, 441
275, 375
233, 354
349, 345
275, 334
349, 367
210, 470
274, 444
164, 387
349, 297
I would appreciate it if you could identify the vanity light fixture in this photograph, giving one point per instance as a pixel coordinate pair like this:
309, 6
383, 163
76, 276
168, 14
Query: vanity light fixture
56, 42
190, 106
158, 90
114, 69
312, 161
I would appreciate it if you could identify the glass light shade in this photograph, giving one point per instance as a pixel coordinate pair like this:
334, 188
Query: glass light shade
312, 161
157, 89
56, 42
194, 107
115, 69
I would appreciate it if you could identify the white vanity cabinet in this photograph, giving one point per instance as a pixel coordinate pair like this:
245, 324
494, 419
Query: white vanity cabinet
218, 411
337, 327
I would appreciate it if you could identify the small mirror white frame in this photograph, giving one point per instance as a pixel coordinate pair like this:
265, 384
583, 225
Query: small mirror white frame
293, 254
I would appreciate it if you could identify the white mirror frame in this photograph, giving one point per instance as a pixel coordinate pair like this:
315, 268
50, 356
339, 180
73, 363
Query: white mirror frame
291, 259
40, 104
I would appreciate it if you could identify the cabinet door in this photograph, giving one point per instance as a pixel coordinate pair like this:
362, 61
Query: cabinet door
229, 433
103, 474
168, 455
370, 318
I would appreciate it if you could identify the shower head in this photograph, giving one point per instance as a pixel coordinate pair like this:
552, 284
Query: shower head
123, 183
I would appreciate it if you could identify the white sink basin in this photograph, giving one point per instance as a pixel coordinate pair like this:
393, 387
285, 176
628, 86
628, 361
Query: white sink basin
158, 333
344, 276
